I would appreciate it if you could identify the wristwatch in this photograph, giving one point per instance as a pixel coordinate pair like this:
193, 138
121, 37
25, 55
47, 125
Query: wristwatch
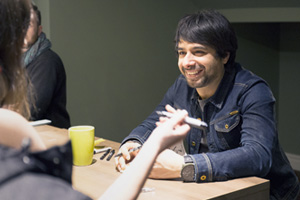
188, 169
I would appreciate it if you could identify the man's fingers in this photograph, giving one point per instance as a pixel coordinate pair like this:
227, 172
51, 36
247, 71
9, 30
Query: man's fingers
126, 157
120, 163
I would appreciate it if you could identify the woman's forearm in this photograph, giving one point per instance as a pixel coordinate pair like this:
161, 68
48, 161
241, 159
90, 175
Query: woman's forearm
133, 178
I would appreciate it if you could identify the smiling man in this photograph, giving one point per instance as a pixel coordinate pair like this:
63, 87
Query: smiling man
241, 138
201, 67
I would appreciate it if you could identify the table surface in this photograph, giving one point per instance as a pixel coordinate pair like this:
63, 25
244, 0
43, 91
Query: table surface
94, 179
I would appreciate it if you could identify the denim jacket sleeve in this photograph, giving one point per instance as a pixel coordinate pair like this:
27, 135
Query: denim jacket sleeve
258, 137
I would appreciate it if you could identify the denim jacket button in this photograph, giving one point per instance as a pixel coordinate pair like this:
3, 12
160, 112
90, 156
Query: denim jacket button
226, 126
203, 178
193, 143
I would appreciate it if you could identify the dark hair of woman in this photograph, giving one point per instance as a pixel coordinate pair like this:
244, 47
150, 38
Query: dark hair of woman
14, 21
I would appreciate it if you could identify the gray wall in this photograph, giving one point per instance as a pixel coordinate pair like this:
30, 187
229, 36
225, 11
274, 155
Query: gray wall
289, 83
258, 50
119, 57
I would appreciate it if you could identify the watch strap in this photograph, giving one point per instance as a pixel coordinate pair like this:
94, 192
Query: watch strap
188, 159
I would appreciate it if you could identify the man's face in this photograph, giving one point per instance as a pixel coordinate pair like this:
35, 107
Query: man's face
200, 64
33, 32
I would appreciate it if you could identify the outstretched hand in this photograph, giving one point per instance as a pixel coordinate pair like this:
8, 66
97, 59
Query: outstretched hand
170, 130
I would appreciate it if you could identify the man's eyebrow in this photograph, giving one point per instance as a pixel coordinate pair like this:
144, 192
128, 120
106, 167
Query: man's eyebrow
196, 47
200, 47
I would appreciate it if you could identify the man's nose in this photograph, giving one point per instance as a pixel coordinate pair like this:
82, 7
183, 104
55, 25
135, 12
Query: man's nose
188, 60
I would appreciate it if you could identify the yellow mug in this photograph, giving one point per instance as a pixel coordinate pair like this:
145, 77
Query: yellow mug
82, 139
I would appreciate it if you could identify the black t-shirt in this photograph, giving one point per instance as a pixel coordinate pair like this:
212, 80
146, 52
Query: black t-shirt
37, 175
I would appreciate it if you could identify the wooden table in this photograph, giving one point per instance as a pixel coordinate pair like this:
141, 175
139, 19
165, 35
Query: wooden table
94, 179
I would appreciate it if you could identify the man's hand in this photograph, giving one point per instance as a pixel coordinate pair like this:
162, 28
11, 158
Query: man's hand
123, 161
168, 165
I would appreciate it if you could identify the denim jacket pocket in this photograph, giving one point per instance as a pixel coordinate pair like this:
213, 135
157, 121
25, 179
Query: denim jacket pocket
228, 131
228, 124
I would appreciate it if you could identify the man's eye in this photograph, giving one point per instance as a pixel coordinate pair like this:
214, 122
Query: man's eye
181, 53
199, 53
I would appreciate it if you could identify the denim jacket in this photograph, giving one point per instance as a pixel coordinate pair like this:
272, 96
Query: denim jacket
241, 135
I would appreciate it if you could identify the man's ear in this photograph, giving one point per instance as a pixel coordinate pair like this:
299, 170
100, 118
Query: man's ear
226, 58
40, 29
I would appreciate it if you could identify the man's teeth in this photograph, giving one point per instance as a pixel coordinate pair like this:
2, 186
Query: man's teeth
192, 73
